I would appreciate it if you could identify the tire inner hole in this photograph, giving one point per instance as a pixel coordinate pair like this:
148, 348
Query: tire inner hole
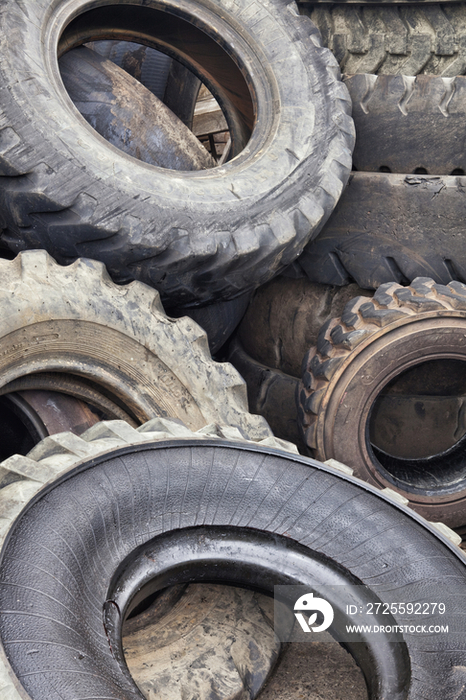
417, 426
160, 87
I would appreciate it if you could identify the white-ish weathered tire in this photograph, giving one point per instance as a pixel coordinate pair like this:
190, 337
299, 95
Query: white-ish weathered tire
75, 321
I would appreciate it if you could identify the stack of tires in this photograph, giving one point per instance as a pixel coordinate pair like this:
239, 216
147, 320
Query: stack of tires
132, 465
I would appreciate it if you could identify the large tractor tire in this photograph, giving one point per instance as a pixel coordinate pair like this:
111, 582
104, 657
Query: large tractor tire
196, 237
71, 329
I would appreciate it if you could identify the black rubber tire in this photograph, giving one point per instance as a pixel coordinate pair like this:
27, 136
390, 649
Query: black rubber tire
146, 515
389, 227
199, 236
409, 124
357, 356
383, 38
76, 322
218, 320
271, 394
169, 80
128, 115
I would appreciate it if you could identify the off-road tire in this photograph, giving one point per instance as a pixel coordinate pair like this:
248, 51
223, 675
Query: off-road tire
75, 321
357, 355
391, 39
389, 227
195, 237
196, 506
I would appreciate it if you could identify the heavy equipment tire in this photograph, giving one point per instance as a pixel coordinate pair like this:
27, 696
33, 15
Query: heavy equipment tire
391, 39
140, 510
389, 227
195, 237
375, 342
74, 324
407, 124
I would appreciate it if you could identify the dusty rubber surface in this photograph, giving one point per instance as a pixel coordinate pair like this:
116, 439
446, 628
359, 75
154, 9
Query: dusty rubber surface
196, 237
329, 527
391, 227
356, 357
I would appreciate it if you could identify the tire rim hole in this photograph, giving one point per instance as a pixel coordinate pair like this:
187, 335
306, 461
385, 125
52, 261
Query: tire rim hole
417, 427
181, 52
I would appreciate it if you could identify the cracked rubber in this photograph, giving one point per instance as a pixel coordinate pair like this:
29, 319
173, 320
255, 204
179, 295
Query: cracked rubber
357, 355
390, 39
123, 488
76, 322
390, 227
195, 237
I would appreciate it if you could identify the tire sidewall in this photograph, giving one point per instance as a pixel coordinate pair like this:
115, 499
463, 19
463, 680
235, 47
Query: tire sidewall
354, 388
286, 115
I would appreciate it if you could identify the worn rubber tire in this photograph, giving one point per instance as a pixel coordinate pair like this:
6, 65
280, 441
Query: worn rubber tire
356, 356
75, 321
407, 124
419, 37
169, 80
389, 227
128, 115
20, 477
194, 237
131, 493
271, 394
284, 318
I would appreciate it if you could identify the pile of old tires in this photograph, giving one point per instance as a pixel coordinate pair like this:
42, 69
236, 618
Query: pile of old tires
241, 368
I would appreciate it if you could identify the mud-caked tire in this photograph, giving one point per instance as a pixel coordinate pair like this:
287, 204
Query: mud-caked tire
357, 356
77, 326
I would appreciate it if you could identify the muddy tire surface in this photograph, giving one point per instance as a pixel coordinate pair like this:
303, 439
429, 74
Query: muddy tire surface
92, 335
401, 332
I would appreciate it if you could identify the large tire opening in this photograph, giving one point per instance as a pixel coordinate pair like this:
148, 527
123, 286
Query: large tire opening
158, 511
195, 235
171, 34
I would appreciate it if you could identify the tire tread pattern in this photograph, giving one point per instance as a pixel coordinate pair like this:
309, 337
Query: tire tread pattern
360, 320
48, 202
394, 39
